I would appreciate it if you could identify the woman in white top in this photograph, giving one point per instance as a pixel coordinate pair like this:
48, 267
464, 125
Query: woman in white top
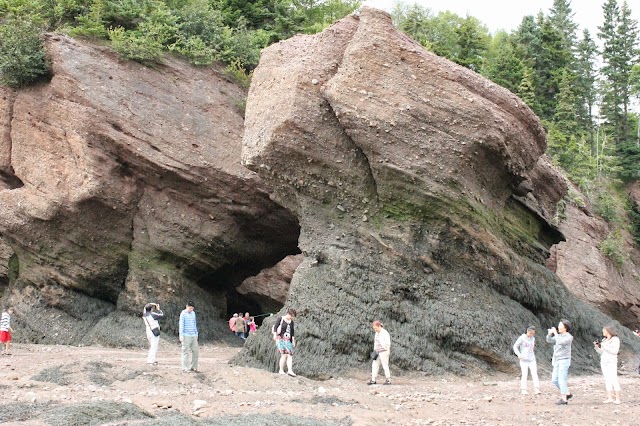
382, 346
150, 316
608, 350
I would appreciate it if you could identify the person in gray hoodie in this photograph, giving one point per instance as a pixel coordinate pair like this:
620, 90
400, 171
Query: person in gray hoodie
524, 349
561, 361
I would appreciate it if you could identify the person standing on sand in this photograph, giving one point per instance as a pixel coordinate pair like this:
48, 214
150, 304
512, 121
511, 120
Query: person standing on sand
524, 349
6, 330
561, 358
150, 316
608, 350
382, 350
252, 325
241, 328
284, 335
232, 323
189, 338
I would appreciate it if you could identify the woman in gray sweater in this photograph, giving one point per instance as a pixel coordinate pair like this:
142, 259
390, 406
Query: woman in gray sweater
561, 361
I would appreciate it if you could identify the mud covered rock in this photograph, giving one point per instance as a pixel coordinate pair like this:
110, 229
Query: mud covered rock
123, 185
406, 173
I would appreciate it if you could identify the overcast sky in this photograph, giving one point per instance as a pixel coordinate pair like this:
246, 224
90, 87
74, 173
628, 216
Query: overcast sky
507, 14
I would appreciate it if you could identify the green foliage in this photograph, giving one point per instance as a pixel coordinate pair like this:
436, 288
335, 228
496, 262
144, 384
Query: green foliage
238, 73
22, 55
613, 247
136, 45
634, 215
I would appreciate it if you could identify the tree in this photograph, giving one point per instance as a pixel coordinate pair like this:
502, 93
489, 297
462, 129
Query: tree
22, 54
527, 91
585, 89
473, 40
561, 17
502, 66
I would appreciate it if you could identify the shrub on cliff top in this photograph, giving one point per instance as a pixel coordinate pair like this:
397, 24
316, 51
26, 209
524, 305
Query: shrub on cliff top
22, 54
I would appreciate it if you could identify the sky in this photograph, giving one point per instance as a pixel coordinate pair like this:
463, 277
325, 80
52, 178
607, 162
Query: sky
507, 14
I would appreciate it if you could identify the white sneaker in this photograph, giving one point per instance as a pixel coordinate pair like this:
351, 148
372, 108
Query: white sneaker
524, 392
537, 392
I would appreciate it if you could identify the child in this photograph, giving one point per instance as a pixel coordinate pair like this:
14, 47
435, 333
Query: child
252, 325
6, 330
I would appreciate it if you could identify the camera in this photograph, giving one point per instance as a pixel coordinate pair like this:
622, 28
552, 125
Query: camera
596, 342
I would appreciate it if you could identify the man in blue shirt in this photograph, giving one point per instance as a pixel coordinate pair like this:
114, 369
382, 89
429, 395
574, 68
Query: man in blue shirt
189, 338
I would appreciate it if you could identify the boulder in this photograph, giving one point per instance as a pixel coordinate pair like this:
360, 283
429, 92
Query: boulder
406, 174
270, 287
131, 191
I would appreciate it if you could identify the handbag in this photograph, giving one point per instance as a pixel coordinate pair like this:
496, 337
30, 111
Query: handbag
374, 355
155, 331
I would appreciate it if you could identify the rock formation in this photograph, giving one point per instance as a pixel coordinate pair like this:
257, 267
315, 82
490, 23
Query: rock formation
587, 272
270, 287
411, 179
122, 185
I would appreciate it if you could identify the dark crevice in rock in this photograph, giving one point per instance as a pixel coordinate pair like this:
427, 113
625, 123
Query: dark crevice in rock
7, 174
370, 176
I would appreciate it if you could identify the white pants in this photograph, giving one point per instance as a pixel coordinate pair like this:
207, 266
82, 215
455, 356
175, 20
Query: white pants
525, 366
153, 346
383, 358
610, 373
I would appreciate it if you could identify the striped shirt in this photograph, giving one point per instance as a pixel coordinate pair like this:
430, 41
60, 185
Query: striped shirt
5, 321
188, 323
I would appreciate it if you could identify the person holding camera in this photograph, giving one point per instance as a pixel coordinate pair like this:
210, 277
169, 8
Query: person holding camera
150, 316
524, 349
561, 358
380, 354
608, 349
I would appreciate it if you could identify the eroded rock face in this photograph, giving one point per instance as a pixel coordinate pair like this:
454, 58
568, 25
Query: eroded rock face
133, 192
588, 273
408, 175
271, 286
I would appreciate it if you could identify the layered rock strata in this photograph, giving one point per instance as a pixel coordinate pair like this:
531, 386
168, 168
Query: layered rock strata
123, 185
410, 177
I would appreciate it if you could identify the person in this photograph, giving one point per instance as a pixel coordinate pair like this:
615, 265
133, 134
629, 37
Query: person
561, 358
381, 346
241, 327
150, 315
6, 330
188, 332
524, 349
252, 325
232, 323
247, 321
608, 350
284, 335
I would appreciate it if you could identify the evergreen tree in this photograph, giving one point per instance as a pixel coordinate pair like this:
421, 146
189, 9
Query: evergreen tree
552, 60
527, 91
585, 89
473, 40
502, 66
561, 17
610, 107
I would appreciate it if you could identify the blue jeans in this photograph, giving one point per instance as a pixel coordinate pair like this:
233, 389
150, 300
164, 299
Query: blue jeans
559, 376
240, 334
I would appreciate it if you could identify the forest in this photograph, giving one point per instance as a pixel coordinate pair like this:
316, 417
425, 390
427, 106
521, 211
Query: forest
584, 87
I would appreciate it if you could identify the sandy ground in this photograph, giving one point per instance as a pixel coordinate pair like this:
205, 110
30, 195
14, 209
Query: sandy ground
40, 380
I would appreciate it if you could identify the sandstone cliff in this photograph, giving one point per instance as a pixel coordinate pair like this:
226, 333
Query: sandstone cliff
123, 185
413, 180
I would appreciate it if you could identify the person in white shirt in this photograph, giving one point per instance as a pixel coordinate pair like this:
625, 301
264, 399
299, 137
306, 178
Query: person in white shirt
524, 349
382, 350
150, 316
608, 350
6, 330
